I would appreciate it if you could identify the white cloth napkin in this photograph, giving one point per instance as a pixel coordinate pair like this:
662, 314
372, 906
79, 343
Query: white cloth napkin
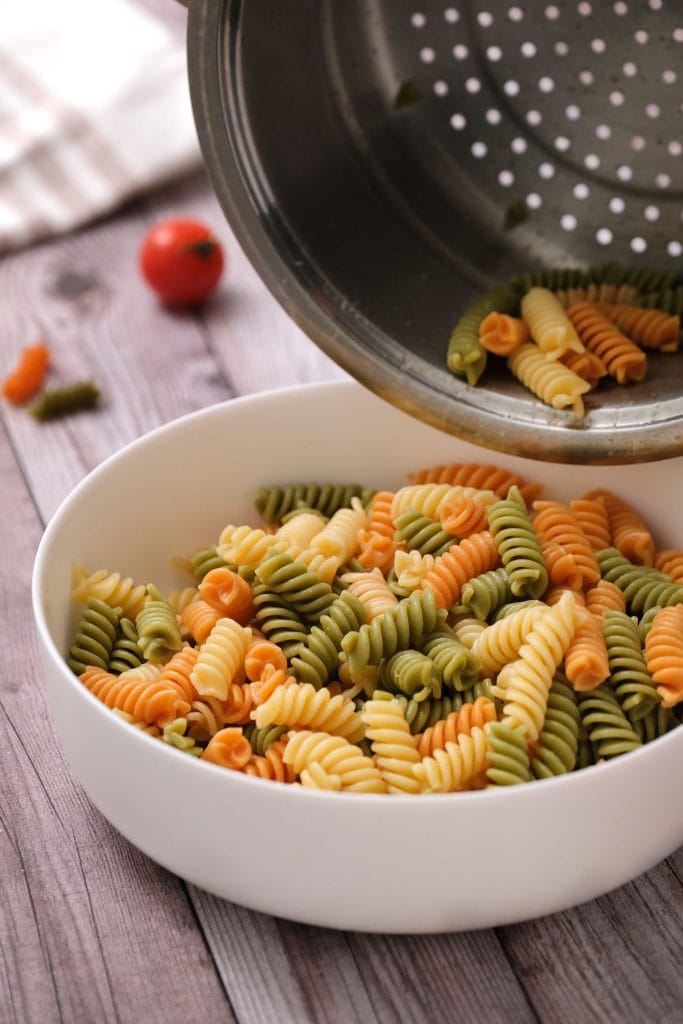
94, 108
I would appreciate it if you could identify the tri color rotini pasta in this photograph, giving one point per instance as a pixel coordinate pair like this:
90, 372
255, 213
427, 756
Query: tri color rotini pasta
545, 641
563, 331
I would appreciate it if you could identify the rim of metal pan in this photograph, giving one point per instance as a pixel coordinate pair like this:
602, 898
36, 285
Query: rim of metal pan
241, 62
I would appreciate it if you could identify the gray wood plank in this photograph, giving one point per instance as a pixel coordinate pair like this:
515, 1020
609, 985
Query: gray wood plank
319, 975
618, 956
90, 929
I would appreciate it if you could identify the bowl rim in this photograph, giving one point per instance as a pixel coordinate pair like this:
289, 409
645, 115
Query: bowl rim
575, 778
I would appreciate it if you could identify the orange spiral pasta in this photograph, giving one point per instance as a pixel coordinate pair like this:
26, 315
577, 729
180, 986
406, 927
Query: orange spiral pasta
199, 618
372, 590
23, 382
651, 328
473, 556
375, 551
476, 474
502, 334
562, 569
379, 514
586, 662
228, 593
271, 678
458, 722
622, 358
271, 765
586, 364
176, 672
554, 594
664, 654
591, 515
152, 703
262, 652
463, 517
628, 531
670, 561
229, 749
603, 597
555, 522
238, 704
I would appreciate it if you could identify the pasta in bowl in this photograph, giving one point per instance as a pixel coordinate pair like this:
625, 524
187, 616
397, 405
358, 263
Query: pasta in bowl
375, 706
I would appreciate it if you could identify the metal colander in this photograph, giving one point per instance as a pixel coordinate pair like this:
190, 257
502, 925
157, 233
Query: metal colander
385, 161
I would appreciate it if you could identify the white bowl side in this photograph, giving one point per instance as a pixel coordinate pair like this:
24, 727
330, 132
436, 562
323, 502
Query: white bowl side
391, 864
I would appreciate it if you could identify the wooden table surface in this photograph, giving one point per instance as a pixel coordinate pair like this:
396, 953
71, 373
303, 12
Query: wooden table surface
90, 929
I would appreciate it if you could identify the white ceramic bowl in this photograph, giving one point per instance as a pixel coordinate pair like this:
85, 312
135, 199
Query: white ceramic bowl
375, 863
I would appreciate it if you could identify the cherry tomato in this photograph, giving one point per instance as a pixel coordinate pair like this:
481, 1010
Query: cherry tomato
181, 260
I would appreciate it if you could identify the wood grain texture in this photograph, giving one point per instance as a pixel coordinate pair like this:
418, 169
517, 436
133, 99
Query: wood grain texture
81, 911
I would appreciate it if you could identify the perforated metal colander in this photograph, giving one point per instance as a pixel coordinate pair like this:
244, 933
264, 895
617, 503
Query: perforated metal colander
374, 156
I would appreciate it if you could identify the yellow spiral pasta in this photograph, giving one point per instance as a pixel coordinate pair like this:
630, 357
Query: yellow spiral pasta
220, 659
500, 643
180, 599
324, 566
429, 499
411, 568
525, 683
549, 325
300, 529
315, 777
456, 766
468, 629
651, 328
303, 705
320, 752
482, 476
372, 590
149, 672
339, 538
205, 718
110, 587
394, 749
246, 545
551, 381
622, 358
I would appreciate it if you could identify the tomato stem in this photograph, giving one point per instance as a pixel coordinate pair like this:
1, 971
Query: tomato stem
203, 248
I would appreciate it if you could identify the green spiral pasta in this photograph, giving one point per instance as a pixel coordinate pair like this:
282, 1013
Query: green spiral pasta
645, 623
656, 722
507, 755
411, 673
628, 673
204, 561
175, 734
95, 637
558, 742
512, 607
65, 401
262, 739
422, 533
457, 666
278, 620
275, 502
642, 587
486, 594
157, 628
303, 589
465, 357
519, 548
608, 728
669, 300
555, 279
318, 656
395, 630
126, 652
395, 586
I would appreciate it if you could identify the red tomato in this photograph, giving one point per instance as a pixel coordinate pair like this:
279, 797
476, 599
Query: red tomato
181, 260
